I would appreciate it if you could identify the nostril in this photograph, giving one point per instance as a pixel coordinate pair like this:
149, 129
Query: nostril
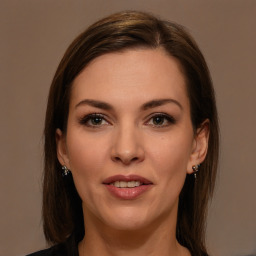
126, 160
117, 158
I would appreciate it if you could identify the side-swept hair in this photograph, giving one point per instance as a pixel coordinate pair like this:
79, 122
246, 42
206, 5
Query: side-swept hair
62, 210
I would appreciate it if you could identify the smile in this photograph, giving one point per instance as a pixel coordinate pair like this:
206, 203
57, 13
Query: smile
127, 187
125, 184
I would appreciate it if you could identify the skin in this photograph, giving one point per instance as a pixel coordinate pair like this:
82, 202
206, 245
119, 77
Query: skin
126, 140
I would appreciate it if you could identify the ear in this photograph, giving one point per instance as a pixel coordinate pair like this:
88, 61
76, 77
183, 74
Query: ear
200, 146
62, 152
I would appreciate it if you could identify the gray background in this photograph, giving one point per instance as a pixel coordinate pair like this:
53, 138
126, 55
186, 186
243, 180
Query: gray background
34, 36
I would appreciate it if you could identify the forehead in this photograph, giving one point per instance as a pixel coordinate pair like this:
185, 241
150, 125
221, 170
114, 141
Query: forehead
141, 74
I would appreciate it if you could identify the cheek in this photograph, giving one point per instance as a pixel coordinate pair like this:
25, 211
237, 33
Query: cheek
169, 160
171, 151
87, 158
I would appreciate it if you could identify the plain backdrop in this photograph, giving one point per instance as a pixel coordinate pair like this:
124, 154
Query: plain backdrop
34, 35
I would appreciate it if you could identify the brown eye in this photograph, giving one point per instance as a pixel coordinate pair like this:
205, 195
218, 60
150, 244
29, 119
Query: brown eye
93, 120
96, 120
158, 120
161, 120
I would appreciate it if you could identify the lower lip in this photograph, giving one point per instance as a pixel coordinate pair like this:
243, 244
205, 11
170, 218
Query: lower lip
128, 193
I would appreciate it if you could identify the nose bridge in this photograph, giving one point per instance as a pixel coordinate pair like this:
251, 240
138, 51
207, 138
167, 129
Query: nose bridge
127, 144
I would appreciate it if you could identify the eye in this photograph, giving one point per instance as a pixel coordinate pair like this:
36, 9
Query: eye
161, 120
93, 120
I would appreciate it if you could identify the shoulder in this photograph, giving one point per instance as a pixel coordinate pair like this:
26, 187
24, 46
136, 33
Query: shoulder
56, 250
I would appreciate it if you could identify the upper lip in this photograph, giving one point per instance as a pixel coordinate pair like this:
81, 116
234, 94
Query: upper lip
127, 178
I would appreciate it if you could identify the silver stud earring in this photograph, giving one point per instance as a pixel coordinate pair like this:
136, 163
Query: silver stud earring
65, 171
195, 169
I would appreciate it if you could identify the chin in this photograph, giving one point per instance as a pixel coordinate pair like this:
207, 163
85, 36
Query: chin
129, 224
127, 218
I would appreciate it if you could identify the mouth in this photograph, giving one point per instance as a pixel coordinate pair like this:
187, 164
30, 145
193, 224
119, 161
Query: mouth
127, 187
129, 181
125, 184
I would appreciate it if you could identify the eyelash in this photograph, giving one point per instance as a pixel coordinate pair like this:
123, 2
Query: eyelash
168, 119
88, 118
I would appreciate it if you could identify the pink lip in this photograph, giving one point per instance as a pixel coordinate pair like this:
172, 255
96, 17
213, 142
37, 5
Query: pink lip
127, 193
126, 178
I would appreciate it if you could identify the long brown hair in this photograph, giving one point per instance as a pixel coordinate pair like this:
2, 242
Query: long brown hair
62, 211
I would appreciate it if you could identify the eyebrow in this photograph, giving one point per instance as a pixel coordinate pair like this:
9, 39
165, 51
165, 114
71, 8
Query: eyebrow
160, 102
95, 103
145, 106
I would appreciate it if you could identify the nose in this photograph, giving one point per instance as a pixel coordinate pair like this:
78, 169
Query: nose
127, 146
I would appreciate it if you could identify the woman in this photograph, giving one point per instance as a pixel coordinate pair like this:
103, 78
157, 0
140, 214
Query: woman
131, 119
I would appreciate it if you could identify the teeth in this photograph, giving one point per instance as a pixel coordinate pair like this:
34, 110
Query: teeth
137, 183
125, 184
131, 184
122, 184
116, 184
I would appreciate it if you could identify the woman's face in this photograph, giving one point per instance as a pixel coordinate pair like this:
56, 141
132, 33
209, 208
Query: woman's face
130, 142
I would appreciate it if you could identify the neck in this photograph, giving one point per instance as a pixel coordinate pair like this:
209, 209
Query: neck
158, 239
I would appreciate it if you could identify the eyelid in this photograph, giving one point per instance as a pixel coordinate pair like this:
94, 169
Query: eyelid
171, 120
86, 118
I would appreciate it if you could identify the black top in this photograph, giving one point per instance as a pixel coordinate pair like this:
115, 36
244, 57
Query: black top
57, 250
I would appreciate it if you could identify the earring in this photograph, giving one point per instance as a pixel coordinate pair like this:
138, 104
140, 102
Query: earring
65, 171
195, 169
